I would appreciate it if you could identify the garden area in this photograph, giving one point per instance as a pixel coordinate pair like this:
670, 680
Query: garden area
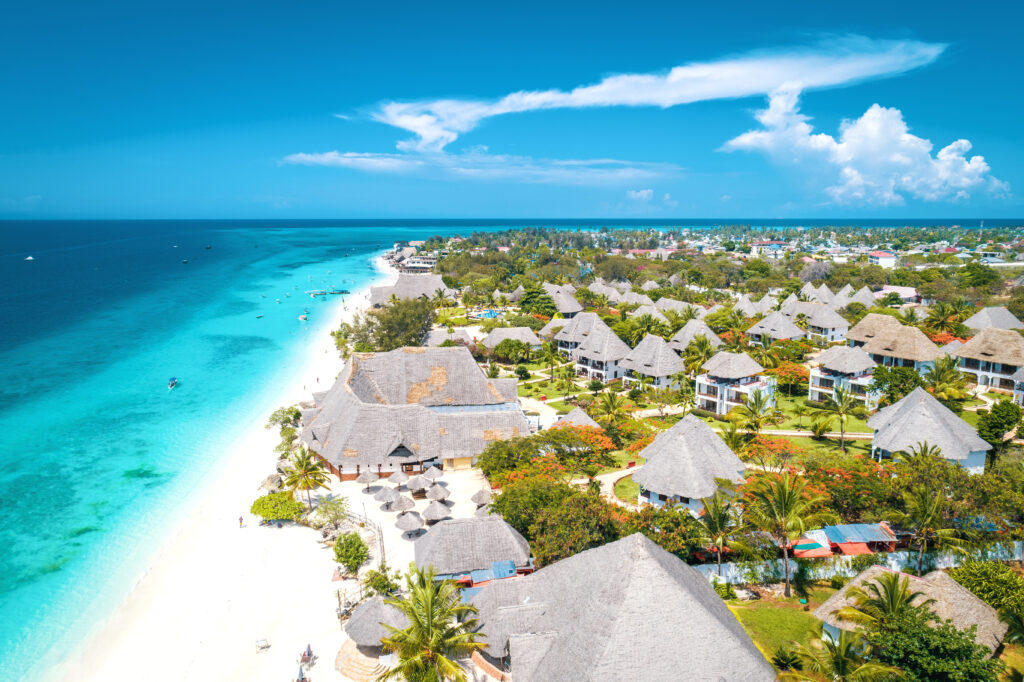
777, 621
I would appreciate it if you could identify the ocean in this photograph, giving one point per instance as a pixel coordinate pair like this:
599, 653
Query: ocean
98, 456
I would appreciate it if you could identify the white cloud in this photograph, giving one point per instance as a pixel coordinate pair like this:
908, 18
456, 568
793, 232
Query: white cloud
476, 163
875, 160
839, 60
640, 194
669, 201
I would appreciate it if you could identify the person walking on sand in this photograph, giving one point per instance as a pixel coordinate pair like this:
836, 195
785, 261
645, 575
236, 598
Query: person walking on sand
239, 521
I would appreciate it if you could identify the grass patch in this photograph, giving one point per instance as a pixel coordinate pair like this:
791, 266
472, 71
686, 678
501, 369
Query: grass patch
970, 417
626, 490
622, 460
830, 445
1013, 658
787, 403
776, 622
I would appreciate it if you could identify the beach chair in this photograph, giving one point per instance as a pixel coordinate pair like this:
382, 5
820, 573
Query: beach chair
262, 645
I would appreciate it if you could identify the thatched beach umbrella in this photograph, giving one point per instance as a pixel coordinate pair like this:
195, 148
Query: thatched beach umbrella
433, 473
418, 483
398, 478
367, 477
387, 495
365, 625
403, 503
409, 521
482, 496
271, 483
438, 492
436, 511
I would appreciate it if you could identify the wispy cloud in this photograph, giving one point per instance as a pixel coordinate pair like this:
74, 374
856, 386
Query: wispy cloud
839, 60
874, 160
640, 194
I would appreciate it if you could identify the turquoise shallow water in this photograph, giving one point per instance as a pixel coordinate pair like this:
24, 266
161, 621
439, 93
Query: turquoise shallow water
97, 453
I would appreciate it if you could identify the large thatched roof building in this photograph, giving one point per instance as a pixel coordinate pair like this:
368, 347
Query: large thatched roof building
410, 286
458, 547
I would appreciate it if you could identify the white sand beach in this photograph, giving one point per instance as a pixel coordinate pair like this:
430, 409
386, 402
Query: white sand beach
214, 589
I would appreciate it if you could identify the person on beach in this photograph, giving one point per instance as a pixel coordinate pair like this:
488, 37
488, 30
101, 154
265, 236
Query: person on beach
239, 521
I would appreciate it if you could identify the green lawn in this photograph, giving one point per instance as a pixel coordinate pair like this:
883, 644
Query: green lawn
1013, 657
787, 403
622, 458
970, 417
626, 490
853, 447
534, 390
772, 623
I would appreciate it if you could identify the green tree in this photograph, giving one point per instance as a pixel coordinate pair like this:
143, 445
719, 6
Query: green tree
993, 426
441, 630
381, 580
611, 410
305, 473
332, 510
886, 597
924, 520
285, 416
403, 322
522, 502
945, 381
841, 405
918, 451
893, 383
841, 660
577, 524
350, 551
277, 507
697, 353
720, 525
549, 356
756, 411
511, 350
783, 508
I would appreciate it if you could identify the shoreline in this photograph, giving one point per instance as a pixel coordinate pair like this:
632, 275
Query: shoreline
212, 589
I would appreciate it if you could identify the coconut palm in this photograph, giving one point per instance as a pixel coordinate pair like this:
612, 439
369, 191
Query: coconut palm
686, 393
801, 321
915, 453
841, 660
611, 409
961, 309
783, 508
1014, 620
566, 380
942, 318
800, 411
756, 411
945, 381
642, 326
924, 520
440, 631
548, 354
908, 317
842, 405
697, 353
305, 473
735, 438
765, 354
720, 525
885, 597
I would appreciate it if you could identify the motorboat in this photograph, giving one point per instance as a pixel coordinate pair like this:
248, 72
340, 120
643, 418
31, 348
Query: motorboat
172, 383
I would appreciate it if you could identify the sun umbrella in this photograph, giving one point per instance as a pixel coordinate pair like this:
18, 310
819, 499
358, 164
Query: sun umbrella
438, 492
302, 675
367, 477
387, 495
398, 478
433, 473
482, 496
409, 521
309, 650
436, 511
418, 483
403, 503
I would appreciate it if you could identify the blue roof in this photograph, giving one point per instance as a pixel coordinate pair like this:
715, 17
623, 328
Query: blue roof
857, 532
469, 592
503, 569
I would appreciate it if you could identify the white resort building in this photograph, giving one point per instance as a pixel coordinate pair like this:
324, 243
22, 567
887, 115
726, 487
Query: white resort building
599, 354
653, 359
993, 358
842, 367
728, 381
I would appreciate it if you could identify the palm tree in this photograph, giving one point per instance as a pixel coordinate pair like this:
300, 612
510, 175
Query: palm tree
440, 630
548, 354
611, 409
756, 411
945, 381
1014, 620
941, 318
686, 393
908, 317
719, 525
783, 508
961, 309
801, 321
800, 411
697, 353
841, 660
734, 437
918, 452
887, 596
925, 522
842, 405
765, 354
305, 473
642, 326
566, 380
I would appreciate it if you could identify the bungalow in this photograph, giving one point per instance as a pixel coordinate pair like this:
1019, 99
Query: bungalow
576, 417
410, 286
522, 334
882, 258
664, 304
691, 330
435, 337
599, 354
408, 409
902, 346
573, 332
613, 295
949, 601
751, 308
729, 379
906, 294
649, 285
565, 303
683, 464
653, 359
843, 367
873, 325
627, 610
823, 322
649, 310
777, 327
466, 550
992, 358
633, 298
997, 317
920, 418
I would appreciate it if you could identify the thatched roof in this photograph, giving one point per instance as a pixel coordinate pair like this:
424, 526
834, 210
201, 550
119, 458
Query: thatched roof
578, 328
409, 521
499, 334
745, 306
635, 298
817, 314
436, 511
438, 492
386, 409
686, 459
872, 326
691, 330
1004, 346
727, 365
864, 296
952, 347
998, 317
845, 360
577, 417
459, 546
920, 417
482, 496
907, 343
649, 285
602, 344
627, 610
665, 304
952, 602
410, 286
554, 325
435, 337
653, 357
649, 310
562, 295
675, 279
613, 295
365, 627
777, 326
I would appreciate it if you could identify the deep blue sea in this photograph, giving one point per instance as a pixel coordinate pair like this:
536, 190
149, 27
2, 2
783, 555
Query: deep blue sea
96, 455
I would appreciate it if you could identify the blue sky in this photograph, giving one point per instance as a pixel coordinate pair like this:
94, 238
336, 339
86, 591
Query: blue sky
648, 110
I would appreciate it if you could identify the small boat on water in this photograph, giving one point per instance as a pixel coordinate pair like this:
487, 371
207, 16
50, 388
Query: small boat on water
208, 247
172, 383
338, 291
316, 292
258, 316
30, 258
184, 262
303, 318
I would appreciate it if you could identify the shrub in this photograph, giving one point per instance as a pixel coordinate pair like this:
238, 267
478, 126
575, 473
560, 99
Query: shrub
816, 404
706, 414
381, 581
350, 551
522, 372
634, 394
838, 582
863, 562
785, 659
725, 590
993, 582
277, 507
